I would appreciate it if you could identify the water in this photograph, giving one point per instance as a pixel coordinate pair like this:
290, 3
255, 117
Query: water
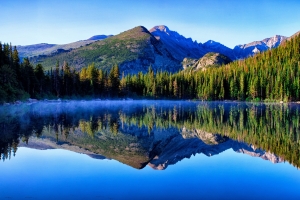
149, 150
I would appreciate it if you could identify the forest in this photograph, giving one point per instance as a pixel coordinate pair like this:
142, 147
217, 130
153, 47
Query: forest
273, 75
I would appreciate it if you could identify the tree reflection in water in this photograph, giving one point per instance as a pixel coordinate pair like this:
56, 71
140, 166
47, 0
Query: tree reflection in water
136, 132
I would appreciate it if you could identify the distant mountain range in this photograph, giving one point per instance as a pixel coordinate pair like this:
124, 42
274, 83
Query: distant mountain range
138, 48
47, 49
246, 50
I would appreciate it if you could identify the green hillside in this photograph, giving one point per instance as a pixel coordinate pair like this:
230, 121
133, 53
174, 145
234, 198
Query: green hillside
129, 46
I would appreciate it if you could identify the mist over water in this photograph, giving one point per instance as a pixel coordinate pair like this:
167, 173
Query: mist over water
187, 140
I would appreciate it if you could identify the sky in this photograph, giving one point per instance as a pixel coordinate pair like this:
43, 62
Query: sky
230, 22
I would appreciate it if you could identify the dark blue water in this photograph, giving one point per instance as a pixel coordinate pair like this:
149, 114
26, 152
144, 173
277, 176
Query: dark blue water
149, 150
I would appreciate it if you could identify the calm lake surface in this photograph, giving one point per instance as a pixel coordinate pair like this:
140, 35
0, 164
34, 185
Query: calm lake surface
149, 150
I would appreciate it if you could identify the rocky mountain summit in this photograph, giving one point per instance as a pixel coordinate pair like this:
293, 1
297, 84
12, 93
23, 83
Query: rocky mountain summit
180, 46
210, 60
246, 50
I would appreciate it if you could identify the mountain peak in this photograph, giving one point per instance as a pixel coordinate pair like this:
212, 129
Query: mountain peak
144, 29
180, 46
274, 41
211, 42
162, 28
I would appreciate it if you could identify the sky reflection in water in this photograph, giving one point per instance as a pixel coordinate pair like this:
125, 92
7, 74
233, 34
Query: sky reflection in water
63, 174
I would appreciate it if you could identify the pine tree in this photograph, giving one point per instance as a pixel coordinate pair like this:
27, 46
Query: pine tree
40, 76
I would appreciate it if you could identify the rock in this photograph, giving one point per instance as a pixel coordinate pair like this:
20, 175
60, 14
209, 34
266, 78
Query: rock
211, 60
18, 102
188, 62
252, 48
32, 100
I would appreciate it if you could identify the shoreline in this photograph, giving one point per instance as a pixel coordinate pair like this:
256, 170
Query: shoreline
31, 101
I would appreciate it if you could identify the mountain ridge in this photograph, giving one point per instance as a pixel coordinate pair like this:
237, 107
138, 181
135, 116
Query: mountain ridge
133, 50
246, 50
47, 49
166, 50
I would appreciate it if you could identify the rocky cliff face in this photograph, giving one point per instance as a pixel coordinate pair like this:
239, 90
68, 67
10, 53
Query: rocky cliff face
180, 46
188, 62
246, 50
211, 60
155, 54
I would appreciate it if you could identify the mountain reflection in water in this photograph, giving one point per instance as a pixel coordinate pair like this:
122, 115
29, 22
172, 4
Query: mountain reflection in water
154, 133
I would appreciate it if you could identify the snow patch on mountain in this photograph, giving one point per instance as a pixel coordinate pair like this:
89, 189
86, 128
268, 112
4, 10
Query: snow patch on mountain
246, 50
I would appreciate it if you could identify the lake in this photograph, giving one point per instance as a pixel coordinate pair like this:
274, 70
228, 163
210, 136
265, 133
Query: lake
144, 149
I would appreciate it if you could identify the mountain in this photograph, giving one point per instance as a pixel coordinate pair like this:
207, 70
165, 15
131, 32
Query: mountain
137, 49
246, 50
211, 60
47, 49
217, 47
296, 34
139, 149
198, 141
291, 37
133, 50
180, 46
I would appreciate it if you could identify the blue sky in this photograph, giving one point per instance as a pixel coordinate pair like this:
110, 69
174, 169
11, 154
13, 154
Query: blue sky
230, 22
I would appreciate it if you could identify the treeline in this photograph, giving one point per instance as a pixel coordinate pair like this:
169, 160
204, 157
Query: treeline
272, 75
11, 78
21, 80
